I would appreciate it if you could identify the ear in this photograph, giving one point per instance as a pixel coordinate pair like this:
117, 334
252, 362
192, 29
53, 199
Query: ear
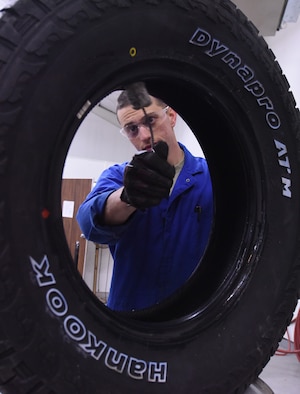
172, 116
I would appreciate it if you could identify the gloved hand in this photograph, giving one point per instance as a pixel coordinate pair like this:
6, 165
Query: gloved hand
148, 178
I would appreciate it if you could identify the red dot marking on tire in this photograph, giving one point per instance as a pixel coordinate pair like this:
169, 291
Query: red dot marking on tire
45, 213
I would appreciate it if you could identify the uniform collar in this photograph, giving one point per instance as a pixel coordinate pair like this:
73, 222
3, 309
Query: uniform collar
192, 164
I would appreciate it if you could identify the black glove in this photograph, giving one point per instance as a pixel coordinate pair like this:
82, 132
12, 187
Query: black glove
148, 178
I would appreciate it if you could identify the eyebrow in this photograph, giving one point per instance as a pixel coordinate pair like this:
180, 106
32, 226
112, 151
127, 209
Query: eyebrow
145, 116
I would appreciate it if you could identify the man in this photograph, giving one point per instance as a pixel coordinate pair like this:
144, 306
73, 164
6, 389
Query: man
155, 213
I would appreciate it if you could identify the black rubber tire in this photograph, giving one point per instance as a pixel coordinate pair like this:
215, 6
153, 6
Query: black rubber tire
57, 60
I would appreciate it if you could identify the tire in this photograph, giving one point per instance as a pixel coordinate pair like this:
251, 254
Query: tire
57, 60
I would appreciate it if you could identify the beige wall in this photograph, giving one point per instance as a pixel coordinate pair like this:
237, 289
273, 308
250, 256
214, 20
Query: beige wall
265, 14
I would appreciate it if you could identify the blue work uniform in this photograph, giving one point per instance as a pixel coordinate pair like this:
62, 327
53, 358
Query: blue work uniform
157, 249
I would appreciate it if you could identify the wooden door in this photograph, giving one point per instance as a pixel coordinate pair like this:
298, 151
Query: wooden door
74, 191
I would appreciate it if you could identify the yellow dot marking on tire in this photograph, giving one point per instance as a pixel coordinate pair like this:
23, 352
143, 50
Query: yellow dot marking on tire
132, 52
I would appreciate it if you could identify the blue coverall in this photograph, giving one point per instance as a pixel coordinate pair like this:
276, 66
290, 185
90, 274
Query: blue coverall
157, 249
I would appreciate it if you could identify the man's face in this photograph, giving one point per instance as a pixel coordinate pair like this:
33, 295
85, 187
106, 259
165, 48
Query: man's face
134, 122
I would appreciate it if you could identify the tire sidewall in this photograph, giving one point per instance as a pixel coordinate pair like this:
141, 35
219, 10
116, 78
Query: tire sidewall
60, 311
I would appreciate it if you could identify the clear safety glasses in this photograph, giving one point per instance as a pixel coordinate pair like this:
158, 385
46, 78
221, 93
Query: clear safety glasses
153, 120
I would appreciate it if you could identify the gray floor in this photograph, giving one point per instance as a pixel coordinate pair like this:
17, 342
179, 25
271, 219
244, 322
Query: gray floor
282, 374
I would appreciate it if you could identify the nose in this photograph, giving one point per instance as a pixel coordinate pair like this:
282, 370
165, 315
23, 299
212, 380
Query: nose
144, 132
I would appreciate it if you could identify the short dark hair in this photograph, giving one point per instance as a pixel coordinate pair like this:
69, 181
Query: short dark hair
124, 101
